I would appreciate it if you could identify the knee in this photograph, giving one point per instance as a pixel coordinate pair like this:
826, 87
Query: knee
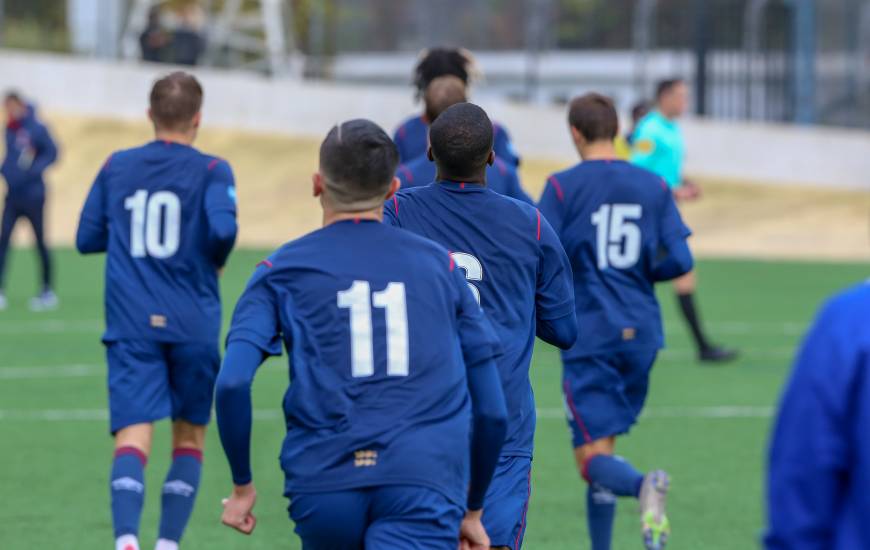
137, 436
187, 436
686, 284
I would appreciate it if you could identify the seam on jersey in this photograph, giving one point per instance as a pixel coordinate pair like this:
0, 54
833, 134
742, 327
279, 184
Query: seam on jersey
396, 206
525, 512
558, 187
539, 223
213, 163
577, 418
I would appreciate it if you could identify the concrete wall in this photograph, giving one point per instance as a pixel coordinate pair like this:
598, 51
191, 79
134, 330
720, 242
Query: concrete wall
753, 152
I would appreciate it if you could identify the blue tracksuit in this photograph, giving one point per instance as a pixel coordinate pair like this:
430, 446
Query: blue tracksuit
818, 484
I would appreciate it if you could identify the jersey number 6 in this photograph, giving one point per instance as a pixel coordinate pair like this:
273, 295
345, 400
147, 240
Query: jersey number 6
473, 270
618, 238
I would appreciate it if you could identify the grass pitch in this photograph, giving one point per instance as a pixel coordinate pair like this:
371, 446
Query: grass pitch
706, 425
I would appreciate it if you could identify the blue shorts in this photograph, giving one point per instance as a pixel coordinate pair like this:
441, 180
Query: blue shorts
604, 394
507, 502
151, 380
392, 517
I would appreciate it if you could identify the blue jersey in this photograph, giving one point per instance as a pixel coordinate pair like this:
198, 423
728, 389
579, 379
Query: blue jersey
165, 215
515, 266
369, 316
500, 177
613, 220
819, 466
412, 139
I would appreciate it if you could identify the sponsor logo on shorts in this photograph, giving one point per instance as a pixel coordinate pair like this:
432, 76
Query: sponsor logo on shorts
127, 484
365, 459
629, 333
178, 487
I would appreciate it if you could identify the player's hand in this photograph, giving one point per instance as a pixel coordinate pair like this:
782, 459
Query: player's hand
688, 191
472, 535
238, 509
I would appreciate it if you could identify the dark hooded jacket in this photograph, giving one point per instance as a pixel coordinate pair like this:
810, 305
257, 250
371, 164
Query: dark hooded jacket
29, 151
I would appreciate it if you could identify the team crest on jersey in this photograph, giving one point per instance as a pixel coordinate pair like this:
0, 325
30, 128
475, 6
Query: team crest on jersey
231, 193
364, 459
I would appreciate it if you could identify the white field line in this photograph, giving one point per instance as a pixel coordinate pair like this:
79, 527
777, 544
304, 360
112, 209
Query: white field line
101, 415
50, 326
56, 371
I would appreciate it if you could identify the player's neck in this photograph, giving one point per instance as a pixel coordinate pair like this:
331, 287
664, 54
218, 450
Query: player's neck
330, 216
184, 138
599, 150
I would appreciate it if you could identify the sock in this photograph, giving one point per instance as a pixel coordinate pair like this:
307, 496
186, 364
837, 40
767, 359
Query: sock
179, 493
127, 542
128, 492
163, 544
687, 306
613, 473
600, 511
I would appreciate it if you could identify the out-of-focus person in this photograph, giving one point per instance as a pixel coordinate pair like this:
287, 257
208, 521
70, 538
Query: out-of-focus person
623, 142
818, 481
154, 40
658, 145
29, 151
188, 38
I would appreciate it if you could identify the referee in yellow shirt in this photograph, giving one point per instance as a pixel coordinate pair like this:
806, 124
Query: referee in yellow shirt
658, 146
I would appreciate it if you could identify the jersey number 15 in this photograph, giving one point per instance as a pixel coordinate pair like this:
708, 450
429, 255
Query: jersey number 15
618, 237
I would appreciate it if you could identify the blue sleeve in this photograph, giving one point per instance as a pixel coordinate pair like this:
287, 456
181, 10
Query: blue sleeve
504, 147
255, 319
674, 258
554, 297
810, 454
515, 188
233, 406
93, 232
399, 140
220, 210
489, 426
46, 151
552, 204
391, 211
477, 338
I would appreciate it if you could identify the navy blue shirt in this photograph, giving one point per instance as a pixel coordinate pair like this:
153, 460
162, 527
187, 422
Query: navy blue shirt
412, 139
617, 222
380, 328
500, 177
165, 215
514, 265
819, 465
29, 151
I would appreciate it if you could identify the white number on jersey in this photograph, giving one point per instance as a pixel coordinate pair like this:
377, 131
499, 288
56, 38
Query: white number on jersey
155, 224
473, 270
359, 300
618, 238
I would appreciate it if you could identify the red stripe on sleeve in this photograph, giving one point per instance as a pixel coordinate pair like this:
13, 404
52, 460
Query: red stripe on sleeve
558, 187
539, 224
266, 263
213, 163
408, 174
452, 263
396, 205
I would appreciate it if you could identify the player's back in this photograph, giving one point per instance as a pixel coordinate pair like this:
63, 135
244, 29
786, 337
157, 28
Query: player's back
378, 391
161, 281
496, 241
500, 177
611, 218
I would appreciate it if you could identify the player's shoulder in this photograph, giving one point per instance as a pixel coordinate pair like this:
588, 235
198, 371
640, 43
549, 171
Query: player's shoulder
848, 308
409, 124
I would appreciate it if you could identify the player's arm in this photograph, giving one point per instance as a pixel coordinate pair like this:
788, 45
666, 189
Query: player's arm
515, 188
220, 210
254, 335
555, 315
46, 151
92, 235
504, 147
552, 204
674, 256
391, 211
810, 452
645, 147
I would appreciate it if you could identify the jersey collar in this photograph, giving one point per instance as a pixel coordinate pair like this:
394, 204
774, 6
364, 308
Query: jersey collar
462, 187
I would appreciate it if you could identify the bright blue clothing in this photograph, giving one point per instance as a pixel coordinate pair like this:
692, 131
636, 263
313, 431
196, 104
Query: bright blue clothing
605, 393
507, 502
412, 139
383, 335
500, 177
150, 380
392, 517
165, 215
29, 151
658, 145
515, 266
819, 464
622, 231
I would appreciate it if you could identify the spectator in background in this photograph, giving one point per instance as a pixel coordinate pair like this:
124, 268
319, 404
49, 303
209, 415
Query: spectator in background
29, 151
622, 143
154, 40
658, 146
188, 39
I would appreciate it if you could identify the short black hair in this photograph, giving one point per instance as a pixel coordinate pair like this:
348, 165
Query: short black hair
175, 99
594, 116
461, 139
437, 62
358, 160
666, 85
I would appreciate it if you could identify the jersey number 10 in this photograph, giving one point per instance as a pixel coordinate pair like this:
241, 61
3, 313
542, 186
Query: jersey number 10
618, 238
359, 299
155, 224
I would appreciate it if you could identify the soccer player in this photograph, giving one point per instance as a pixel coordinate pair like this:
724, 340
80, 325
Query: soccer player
517, 270
658, 145
29, 152
501, 177
622, 231
386, 345
165, 214
818, 481
411, 136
